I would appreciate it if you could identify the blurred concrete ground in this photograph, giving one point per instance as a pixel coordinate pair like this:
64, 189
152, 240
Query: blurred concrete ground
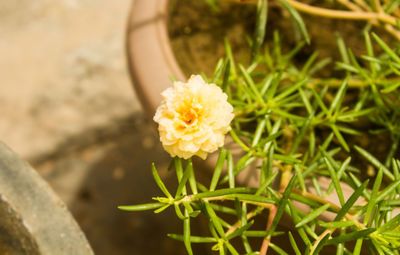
67, 106
62, 70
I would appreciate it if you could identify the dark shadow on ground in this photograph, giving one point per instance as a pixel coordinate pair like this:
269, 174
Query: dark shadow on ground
121, 175
101, 169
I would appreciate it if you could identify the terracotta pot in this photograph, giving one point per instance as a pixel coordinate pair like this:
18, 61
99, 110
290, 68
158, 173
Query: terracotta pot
150, 58
151, 62
33, 219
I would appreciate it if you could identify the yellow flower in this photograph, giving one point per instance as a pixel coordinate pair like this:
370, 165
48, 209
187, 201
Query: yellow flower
193, 118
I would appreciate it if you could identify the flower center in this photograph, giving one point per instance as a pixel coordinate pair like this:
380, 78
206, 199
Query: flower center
189, 116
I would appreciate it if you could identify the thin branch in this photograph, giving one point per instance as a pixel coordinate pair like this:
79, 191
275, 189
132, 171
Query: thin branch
355, 13
337, 14
238, 223
286, 175
222, 198
267, 240
320, 237
363, 5
333, 206
395, 33
396, 11
378, 6
349, 5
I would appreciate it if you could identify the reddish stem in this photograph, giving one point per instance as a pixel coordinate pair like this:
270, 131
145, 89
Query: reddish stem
266, 241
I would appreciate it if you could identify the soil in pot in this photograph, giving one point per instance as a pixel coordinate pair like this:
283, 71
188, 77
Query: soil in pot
197, 36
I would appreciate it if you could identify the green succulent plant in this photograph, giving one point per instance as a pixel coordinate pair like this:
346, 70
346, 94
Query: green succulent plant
294, 127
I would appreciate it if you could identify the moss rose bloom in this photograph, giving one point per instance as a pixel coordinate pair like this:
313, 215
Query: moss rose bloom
193, 118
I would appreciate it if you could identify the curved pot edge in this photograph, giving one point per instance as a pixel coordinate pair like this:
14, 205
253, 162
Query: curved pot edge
149, 54
149, 17
15, 237
42, 211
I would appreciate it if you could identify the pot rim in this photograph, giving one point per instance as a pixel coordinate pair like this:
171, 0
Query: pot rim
149, 17
150, 58
42, 212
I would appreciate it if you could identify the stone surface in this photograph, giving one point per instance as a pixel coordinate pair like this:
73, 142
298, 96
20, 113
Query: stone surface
67, 106
34, 219
14, 236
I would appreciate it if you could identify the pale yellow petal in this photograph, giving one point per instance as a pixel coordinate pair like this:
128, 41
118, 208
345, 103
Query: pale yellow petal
193, 118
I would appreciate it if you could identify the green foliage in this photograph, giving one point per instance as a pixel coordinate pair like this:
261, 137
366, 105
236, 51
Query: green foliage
293, 129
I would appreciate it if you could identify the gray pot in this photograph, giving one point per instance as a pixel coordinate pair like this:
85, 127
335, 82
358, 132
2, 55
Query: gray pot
33, 220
